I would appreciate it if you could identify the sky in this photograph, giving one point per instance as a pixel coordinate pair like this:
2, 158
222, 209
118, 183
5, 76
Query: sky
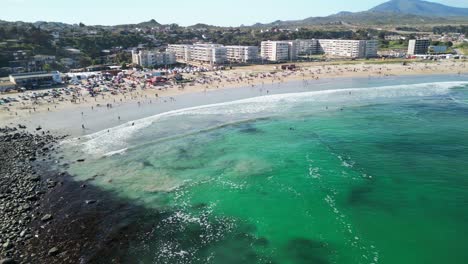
182, 12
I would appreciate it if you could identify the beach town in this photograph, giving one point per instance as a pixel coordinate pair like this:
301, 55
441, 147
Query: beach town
332, 139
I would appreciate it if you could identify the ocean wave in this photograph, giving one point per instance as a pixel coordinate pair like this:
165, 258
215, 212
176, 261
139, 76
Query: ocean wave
112, 140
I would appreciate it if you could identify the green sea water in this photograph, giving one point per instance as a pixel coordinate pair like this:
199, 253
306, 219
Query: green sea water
372, 175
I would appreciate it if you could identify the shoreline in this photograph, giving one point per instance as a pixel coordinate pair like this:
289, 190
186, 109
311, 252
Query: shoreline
50, 217
94, 114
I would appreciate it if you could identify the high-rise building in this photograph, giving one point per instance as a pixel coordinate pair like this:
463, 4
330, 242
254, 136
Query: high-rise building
418, 46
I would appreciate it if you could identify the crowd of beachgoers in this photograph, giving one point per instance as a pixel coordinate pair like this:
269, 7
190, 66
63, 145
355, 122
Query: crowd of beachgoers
101, 89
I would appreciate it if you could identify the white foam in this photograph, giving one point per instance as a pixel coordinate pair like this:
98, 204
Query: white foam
110, 141
117, 152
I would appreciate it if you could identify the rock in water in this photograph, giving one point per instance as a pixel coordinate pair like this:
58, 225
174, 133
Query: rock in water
53, 251
46, 218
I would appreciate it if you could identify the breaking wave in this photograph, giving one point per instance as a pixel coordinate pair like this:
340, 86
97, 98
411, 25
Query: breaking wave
109, 142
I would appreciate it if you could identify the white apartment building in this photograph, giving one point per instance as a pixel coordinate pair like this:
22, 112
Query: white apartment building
205, 53
208, 53
242, 53
278, 51
181, 51
152, 58
348, 48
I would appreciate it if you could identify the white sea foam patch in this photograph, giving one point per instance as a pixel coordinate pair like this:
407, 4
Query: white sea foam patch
109, 141
117, 152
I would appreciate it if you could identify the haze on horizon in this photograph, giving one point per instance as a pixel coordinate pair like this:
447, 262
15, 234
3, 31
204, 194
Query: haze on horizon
182, 12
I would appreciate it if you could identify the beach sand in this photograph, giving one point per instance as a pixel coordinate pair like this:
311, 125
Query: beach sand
65, 117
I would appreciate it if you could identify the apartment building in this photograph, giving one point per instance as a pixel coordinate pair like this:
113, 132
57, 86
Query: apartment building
242, 54
418, 46
307, 46
208, 53
204, 53
153, 58
277, 51
181, 51
348, 48
372, 48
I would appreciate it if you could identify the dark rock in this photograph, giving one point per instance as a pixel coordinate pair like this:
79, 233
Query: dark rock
51, 183
7, 261
7, 245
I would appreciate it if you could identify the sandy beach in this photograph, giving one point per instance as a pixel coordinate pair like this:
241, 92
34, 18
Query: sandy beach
91, 114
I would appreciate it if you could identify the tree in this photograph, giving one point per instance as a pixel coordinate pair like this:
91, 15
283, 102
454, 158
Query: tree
82, 25
382, 35
124, 66
47, 67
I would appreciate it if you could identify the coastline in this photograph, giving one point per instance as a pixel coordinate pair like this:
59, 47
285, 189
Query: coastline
68, 118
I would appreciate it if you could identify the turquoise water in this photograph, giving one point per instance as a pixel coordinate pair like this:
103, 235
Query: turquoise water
365, 175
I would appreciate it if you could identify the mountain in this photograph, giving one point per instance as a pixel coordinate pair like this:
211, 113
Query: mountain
394, 12
365, 18
420, 8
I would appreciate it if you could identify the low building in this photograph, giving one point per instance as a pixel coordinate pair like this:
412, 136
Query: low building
96, 68
418, 46
34, 80
68, 62
437, 49
153, 58
6, 86
44, 59
242, 54
394, 37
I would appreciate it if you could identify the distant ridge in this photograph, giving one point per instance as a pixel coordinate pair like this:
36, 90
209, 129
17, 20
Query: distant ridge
420, 8
391, 12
